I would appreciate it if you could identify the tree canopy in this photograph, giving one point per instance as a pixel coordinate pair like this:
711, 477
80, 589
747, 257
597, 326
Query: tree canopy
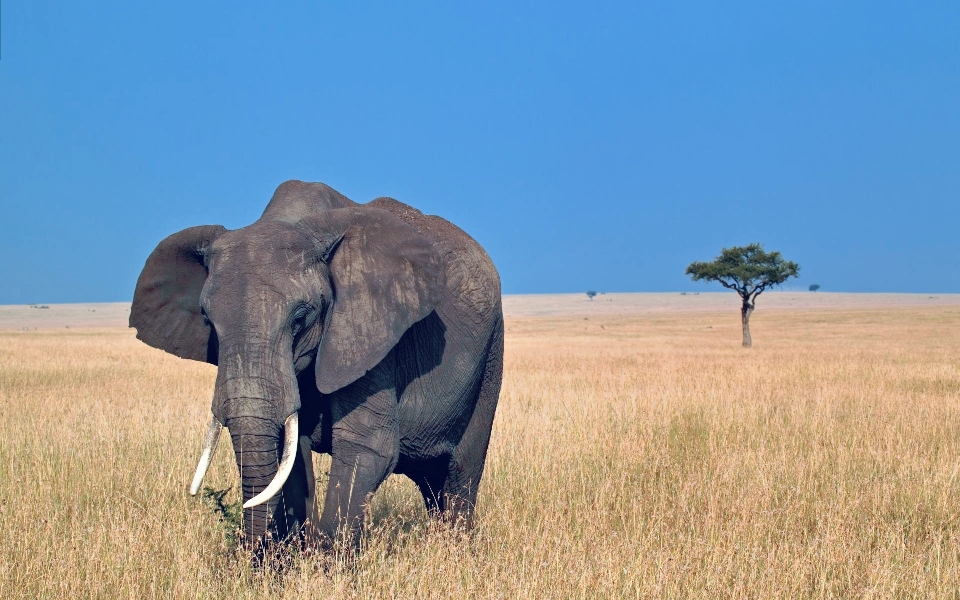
746, 269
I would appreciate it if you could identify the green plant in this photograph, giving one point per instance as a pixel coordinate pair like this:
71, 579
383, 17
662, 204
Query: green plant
230, 515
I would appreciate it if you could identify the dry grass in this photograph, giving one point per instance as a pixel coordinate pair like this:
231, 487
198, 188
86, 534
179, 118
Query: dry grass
652, 457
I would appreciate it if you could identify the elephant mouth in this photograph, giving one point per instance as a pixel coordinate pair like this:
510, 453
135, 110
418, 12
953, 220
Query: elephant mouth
291, 429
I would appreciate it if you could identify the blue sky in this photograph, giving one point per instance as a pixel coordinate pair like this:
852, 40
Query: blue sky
586, 146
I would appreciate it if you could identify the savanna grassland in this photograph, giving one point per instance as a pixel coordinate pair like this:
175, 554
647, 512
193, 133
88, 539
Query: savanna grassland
638, 455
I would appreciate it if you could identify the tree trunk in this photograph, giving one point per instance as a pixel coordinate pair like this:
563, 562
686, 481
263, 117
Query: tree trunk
745, 311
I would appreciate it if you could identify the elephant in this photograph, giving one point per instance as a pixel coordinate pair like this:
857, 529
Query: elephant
369, 332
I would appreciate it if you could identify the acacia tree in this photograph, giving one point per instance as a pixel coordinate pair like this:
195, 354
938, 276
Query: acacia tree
747, 270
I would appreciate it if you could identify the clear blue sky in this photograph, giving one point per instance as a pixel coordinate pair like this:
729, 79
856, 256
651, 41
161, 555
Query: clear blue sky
585, 145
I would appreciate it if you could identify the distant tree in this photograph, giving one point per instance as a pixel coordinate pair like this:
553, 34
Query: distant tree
747, 270
814, 287
591, 294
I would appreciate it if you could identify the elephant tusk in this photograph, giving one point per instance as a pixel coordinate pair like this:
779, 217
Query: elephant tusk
209, 447
290, 440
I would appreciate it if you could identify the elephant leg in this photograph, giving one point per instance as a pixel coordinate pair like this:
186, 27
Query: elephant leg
302, 510
294, 511
365, 450
466, 465
295, 507
430, 478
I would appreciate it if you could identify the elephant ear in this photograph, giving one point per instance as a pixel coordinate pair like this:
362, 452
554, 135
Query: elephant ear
166, 303
386, 276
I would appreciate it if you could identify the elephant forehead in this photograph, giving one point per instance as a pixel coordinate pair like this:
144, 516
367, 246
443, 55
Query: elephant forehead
271, 244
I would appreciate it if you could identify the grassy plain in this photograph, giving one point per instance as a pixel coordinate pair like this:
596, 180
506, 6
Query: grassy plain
640, 454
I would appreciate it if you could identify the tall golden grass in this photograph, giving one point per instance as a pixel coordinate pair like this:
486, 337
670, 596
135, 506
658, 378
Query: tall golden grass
645, 456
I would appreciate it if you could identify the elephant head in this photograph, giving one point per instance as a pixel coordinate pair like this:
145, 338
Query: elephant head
316, 280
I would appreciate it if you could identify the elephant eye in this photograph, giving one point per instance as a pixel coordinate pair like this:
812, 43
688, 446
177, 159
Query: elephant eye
299, 319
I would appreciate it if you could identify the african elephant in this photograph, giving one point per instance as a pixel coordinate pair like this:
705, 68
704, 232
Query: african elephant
371, 332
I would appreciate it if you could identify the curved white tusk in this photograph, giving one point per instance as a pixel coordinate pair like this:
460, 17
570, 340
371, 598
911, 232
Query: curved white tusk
209, 447
290, 440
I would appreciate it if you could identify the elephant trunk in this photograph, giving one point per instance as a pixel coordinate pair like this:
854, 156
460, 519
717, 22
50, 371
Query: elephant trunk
256, 445
291, 435
256, 395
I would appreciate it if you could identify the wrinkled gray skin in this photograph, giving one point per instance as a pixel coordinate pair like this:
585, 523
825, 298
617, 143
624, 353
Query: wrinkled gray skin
381, 326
